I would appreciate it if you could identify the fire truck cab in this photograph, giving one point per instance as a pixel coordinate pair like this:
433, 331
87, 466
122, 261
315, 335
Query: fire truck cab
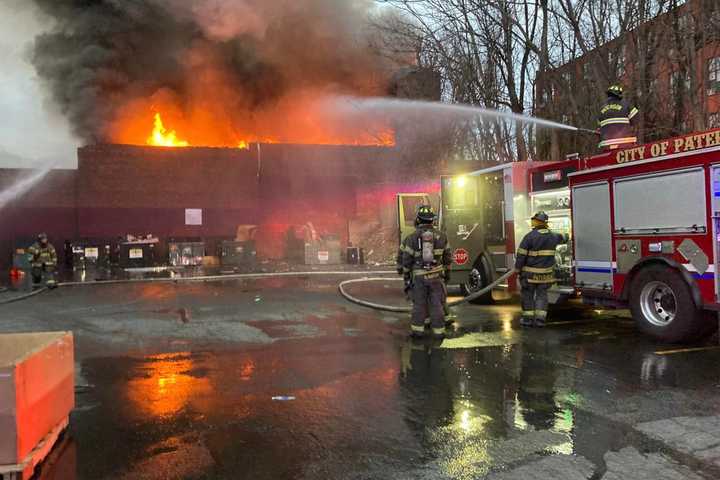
645, 224
485, 212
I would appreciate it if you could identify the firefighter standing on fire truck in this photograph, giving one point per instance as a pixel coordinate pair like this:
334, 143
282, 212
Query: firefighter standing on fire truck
616, 121
535, 263
43, 259
424, 261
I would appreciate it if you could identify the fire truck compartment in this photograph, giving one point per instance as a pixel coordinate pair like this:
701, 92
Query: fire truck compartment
593, 251
666, 202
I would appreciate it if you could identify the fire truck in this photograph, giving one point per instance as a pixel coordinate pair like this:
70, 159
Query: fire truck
485, 211
644, 224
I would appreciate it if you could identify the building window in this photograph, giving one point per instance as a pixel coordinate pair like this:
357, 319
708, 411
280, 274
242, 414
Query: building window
714, 76
653, 88
618, 61
586, 71
714, 120
679, 83
567, 78
686, 23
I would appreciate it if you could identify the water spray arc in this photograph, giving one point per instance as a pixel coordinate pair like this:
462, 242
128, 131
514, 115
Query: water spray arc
22, 186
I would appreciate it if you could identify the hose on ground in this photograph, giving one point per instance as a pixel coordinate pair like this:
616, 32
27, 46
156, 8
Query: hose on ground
17, 298
392, 308
215, 278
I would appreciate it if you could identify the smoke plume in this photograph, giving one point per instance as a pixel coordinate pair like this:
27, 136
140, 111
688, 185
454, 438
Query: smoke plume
219, 71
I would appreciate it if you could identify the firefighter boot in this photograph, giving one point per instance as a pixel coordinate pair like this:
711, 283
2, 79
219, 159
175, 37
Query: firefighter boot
50, 281
541, 304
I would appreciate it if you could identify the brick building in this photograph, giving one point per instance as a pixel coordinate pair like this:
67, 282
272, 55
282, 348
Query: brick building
347, 191
669, 66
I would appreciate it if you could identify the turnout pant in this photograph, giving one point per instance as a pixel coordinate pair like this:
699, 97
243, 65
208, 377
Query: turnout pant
37, 273
428, 295
534, 300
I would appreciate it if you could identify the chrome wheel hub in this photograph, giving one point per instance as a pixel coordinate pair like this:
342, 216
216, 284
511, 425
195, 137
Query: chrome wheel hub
658, 303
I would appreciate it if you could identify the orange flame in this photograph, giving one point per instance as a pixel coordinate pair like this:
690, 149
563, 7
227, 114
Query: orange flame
205, 131
161, 137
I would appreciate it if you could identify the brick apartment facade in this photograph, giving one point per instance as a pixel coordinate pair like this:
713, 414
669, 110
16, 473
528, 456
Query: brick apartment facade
669, 66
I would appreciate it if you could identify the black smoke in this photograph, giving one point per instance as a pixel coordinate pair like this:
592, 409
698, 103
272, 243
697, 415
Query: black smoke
229, 61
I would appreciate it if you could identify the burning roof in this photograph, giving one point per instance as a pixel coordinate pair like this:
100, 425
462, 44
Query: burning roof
212, 72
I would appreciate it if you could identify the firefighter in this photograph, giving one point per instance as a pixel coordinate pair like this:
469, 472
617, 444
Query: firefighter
425, 258
616, 121
536, 265
446, 309
43, 259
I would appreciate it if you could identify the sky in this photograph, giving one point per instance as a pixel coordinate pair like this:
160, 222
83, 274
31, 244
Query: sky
32, 133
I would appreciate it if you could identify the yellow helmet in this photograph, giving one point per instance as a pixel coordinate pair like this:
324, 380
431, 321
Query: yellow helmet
615, 90
425, 214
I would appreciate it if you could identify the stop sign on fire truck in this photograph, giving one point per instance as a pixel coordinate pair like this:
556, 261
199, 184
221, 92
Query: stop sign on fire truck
461, 256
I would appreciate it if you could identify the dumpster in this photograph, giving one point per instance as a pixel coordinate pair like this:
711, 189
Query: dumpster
184, 254
138, 253
90, 253
324, 251
237, 254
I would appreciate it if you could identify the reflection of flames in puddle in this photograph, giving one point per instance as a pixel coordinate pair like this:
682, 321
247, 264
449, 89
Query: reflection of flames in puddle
168, 386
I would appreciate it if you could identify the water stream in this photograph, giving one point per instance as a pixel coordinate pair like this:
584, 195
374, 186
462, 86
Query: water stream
393, 106
21, 186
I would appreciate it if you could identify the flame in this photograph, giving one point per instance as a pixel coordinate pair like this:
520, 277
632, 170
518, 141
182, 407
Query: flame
205, 129
161, 137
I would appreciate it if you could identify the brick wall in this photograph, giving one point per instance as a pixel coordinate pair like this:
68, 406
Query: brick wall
120, 189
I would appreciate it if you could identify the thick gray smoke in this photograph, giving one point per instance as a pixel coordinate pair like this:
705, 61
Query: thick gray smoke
247, 65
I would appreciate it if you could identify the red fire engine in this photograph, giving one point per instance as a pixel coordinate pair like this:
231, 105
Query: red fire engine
645, 233
644, 224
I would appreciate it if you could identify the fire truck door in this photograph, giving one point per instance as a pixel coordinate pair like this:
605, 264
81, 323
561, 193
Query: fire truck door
407, 205
716, 224
592, 236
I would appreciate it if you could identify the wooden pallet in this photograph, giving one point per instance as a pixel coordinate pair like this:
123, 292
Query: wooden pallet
25, 469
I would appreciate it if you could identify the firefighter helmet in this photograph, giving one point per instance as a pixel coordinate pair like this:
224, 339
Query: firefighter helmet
425, 215
540, 219
615, 90
42, 237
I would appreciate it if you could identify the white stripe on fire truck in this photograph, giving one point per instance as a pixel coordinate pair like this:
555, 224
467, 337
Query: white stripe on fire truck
690, 268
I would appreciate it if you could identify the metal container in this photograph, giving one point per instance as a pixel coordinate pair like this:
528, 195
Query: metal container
186, 254
137, 254
237, 254
90, 253
323, 252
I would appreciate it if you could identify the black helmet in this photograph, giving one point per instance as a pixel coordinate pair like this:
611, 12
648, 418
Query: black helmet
425, 215
615, 90
42, 237
541, 217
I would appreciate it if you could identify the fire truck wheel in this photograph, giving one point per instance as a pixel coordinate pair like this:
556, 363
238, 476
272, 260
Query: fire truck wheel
663, 307
478, 279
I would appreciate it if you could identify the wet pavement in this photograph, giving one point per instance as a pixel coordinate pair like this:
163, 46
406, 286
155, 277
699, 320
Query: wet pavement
280, 378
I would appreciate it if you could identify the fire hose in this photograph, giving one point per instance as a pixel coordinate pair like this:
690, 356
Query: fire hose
392, 308
17, 298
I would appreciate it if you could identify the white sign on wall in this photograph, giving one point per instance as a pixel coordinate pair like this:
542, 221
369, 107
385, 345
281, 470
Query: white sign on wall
193, 216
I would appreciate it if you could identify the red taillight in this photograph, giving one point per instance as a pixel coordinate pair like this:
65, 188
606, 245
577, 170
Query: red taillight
15, 273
